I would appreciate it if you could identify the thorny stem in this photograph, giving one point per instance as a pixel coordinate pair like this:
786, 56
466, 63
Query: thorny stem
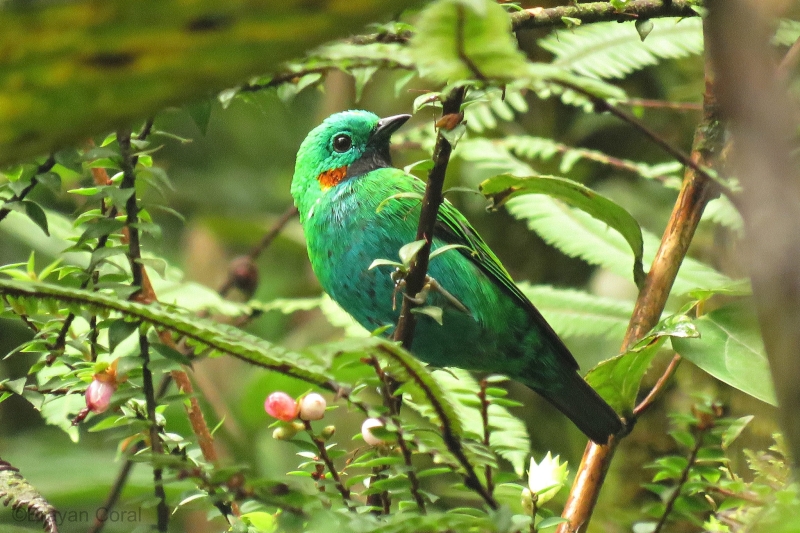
697, 190
323, 454
44, 167
156, 446
537, 17
486, 432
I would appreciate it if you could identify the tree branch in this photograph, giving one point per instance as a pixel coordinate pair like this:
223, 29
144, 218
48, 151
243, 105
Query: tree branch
433, 198
537, 17
697, 190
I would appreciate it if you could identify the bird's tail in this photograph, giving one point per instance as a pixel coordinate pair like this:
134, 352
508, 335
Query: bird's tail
587, 410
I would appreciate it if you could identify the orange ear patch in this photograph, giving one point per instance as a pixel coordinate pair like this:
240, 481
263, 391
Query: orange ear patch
329, 178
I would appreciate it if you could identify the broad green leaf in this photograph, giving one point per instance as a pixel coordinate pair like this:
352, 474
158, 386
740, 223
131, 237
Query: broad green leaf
466, 39
579, 235
118, 331
730, 349
618, 379
80, 70
574, 313
500, 189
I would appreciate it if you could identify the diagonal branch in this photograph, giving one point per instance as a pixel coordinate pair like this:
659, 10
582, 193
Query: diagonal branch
697, 190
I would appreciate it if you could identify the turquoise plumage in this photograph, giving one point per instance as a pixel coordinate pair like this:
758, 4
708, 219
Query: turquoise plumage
343, 173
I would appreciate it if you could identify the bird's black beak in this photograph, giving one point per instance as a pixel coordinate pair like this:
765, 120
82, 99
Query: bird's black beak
386, 126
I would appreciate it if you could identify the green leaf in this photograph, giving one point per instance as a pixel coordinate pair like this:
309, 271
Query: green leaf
618, 379
167, 352
574, 313
551, 522
500, 189
479, 29
201, 114
119, 331
730, 349
408, 253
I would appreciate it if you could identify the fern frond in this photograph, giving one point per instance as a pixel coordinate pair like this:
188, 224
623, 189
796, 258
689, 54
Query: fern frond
614, 50
721, 211
787, 33
574, 313
16, 491
491, 105
579, 235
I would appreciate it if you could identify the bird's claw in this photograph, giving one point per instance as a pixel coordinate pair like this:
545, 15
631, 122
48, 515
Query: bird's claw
421, 297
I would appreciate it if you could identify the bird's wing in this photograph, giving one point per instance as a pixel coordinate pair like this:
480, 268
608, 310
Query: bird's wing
453, 228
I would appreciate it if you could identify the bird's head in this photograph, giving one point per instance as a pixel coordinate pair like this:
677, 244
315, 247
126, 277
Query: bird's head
346, 145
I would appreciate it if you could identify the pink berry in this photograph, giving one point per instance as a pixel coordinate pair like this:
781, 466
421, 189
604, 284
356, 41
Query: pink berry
281, 406
369, 437
312, 407
98, 394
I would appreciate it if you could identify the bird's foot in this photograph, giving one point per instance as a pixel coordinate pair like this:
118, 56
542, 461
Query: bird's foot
421, 297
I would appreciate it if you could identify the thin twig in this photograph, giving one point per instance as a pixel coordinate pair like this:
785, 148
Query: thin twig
44, 167
659, 388
323, 454
601, 104
116, 487
134, 257
263, 244
661, 104
673, 497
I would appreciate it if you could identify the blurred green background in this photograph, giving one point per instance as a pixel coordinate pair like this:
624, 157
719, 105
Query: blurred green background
232, 184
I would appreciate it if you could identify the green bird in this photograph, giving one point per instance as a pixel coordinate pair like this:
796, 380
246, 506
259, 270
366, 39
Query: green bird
342, 176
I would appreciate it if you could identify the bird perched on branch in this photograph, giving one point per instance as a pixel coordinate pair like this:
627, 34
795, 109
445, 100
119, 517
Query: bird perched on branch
355, 208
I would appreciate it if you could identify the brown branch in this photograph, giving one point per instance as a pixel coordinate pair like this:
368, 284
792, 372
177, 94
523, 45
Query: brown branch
697, 190
231, 281
537, 17
433, 198
658, 389
44, 167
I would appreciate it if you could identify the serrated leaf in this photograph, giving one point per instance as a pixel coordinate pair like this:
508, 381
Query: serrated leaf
618, 379
500, 189
730, 349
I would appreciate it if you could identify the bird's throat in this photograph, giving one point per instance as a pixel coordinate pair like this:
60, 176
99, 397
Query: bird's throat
331, 178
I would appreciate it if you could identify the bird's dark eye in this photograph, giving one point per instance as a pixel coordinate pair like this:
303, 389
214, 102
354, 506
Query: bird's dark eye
342, 143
